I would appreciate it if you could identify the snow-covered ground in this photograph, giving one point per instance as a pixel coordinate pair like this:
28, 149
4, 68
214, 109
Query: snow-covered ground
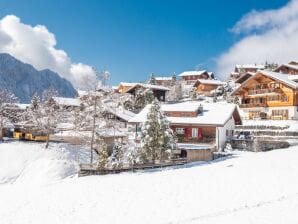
245, 188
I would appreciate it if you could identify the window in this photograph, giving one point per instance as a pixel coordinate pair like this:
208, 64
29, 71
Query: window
280, 113
180, 131
194, 133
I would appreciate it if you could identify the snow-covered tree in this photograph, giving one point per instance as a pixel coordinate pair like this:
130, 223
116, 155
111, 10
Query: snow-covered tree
102, 152
214, 96
157, 137
236, 100
116, 158
152, 79
149, 96
35, 101
140, 99
175, 93
193, 93
46, 114
6, 98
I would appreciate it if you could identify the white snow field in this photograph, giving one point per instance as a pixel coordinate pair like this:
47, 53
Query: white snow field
39, 186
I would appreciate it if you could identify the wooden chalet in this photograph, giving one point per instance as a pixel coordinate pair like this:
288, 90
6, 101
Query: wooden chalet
205, 86
193, 76
124, 86
121, 115
164, 81
290, 68
240, 70
159, 92
197, 126
68, 103
268, 95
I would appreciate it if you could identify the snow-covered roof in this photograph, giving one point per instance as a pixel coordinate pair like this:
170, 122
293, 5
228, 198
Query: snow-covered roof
181, 107
210, 82
295, 67
251, 66
293, 77
67, 101
128, 83
214, 114
149, 86
110, 133
189, 146
192, 73
23, 106
284, 78
120, 112
160, 78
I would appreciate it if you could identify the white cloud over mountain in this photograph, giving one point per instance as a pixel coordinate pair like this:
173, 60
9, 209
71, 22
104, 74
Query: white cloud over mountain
270, 35
36, 45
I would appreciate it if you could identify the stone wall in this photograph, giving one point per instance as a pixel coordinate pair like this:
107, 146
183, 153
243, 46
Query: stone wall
256, 145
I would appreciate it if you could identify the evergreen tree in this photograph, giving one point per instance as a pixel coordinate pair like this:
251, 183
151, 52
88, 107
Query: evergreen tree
157, 137
149, 96
193, 93
140, 100
214, 97
35, 102
116, 158
152, 79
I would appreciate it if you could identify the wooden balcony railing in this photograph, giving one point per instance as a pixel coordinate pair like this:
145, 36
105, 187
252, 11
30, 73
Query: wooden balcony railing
249, 105
262, 91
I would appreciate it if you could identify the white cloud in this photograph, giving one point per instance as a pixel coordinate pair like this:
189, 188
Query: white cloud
269, 35
36, 45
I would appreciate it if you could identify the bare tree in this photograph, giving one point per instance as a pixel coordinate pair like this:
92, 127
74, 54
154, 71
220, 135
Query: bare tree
46, 114
6, 98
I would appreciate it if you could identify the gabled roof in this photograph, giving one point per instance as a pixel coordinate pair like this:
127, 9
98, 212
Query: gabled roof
209, 82
120, 112
192, 73
283, 78
214, 114
148, 86
291, 66
244, 77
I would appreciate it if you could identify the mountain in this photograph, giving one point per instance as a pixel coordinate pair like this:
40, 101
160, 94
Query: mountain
24, 80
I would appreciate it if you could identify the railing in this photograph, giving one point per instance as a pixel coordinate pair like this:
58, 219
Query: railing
249, 105
261, 91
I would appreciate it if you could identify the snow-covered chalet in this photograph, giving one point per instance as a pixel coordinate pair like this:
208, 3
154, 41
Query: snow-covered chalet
197, 123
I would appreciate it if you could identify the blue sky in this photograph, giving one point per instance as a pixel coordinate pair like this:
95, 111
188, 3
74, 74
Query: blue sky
133, 38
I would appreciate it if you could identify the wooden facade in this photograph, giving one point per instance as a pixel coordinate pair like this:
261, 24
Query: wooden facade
160, 94
123, 87
265, 91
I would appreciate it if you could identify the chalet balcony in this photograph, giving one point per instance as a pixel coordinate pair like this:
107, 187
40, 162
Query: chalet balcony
250, 105
203, 140
264, 92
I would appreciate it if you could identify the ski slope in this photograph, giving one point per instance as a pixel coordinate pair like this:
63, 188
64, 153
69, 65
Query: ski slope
40, 186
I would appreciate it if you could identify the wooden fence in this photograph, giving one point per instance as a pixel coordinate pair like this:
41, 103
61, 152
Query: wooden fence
92, 169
